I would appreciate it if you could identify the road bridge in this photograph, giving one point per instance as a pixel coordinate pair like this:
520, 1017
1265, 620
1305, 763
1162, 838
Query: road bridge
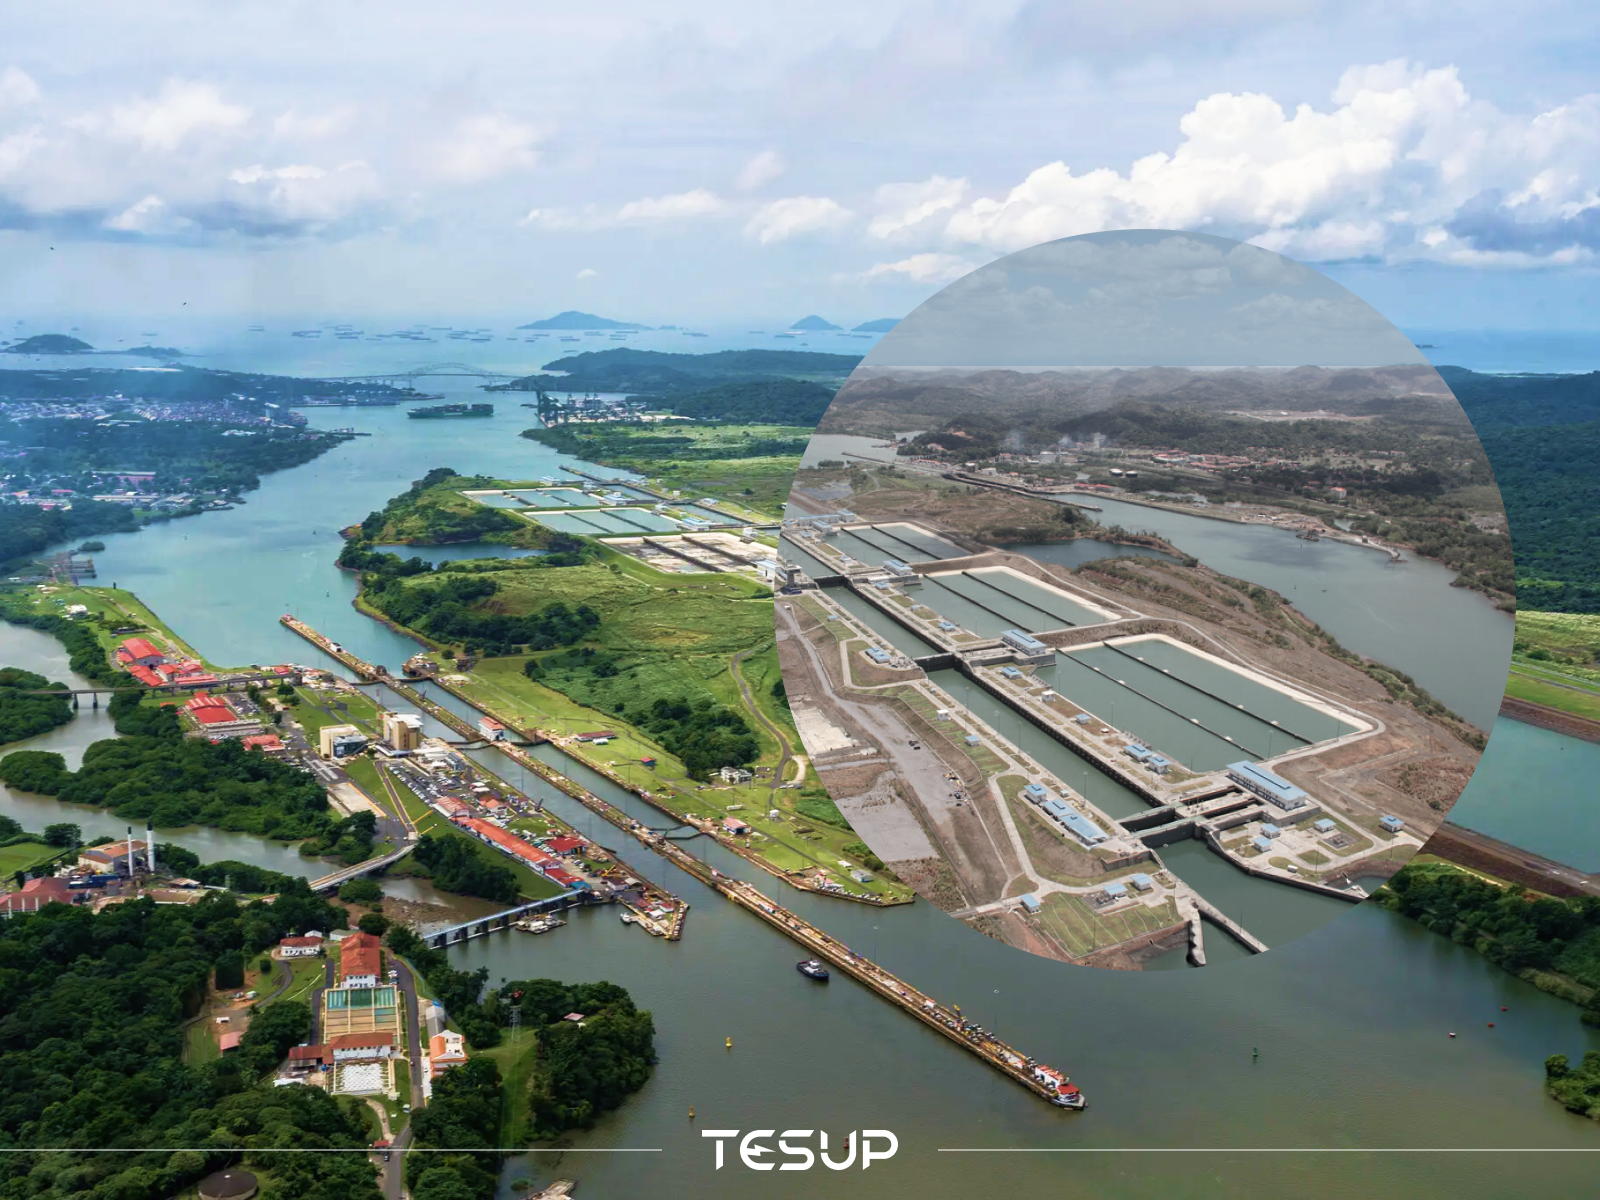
479, 926
372, 865
412, 374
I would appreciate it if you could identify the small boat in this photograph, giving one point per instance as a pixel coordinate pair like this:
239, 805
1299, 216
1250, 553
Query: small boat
629, 919
812, 969
1309, 536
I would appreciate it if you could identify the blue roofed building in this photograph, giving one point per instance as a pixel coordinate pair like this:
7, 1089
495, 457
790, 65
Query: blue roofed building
1141, 882
1391, 824
1031, 902
1026, 647
1274, 789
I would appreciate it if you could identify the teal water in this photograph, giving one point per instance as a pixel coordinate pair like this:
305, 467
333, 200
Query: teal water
1350, 1019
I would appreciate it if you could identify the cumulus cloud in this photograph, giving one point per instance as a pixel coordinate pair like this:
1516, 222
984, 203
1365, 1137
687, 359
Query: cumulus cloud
796, 215
921, 268
1404, 163
587, 273
763, 168
902, 206
175, 115
17, 88
696, 203
678, 206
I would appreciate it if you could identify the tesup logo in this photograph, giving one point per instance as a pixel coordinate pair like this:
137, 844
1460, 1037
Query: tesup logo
875, 1146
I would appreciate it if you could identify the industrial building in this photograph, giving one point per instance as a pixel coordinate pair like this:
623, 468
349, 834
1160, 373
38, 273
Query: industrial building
1027, 648
1274, 789
402, 731
337, 741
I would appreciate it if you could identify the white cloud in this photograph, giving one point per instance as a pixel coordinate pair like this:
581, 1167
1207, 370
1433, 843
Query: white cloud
904, 205
483, 147
179, 112
17, 88
144, 217
784, 219
696, 203
921, 268
1402, 152
763, 168
588, 273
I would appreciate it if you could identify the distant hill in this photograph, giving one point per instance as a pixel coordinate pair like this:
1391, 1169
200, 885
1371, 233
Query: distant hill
50, 343
881, 325
153, 352
762, 401
813, 323
656, 373
572, 319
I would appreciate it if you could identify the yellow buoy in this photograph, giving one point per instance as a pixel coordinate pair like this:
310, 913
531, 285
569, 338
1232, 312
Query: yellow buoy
691, 1112
729, 1043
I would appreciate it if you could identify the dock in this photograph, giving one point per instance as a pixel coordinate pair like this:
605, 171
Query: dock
1043, 1081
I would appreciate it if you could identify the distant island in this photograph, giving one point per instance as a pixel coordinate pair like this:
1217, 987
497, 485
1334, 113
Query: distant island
882, 325
572, 319
50, 343
60, 343
657, 373
813, 323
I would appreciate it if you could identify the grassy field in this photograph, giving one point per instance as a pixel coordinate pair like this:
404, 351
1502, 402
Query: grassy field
1569, 698
24, 856
320, 707
307, 973
1081, 930
516, 1057
116, 608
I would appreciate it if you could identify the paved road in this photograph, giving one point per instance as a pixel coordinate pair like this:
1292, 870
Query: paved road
393, 1177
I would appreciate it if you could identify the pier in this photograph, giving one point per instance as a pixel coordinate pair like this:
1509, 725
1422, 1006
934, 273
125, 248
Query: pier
1042, 1081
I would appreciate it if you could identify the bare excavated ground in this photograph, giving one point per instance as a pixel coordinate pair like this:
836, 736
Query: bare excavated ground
976, 517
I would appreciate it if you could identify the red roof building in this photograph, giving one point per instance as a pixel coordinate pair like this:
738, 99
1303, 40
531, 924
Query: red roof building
35, 894
360, 959
508, 842
146, 676
735, 826
565, 844
229, 1041
559, 875
267, 742
142, 652
213, 714
451, 806
593, 735
304, 1058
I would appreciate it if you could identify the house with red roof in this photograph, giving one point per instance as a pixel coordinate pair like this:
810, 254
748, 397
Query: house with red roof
142, 652
565, 844
267, 742
360, 961
298, 947
309, 1058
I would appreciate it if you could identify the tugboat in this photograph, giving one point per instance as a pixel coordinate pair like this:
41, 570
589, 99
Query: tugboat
812, 969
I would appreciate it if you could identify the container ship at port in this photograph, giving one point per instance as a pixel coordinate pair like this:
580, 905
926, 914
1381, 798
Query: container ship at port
440, 411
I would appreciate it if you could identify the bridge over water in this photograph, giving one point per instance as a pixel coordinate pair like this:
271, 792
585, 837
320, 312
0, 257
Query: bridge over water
501, 920
410, 375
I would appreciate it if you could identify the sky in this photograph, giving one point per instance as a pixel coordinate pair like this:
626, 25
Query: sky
1144, 298
749, 163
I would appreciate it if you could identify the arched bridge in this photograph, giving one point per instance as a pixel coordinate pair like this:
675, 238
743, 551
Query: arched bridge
412, 374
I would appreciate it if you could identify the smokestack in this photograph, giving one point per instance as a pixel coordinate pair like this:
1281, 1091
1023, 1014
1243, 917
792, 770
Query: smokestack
130, 851
150, 847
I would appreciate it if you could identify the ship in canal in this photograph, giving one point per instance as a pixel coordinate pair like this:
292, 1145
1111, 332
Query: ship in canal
439, 411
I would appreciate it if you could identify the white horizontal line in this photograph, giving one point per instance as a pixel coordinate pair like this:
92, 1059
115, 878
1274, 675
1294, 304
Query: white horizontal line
333, 1150
1270, 1150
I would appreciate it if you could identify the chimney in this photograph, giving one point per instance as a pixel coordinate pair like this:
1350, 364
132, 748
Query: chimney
150, 847
130, 851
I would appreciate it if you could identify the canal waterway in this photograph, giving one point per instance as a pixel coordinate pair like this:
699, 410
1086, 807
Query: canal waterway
1452, 641
1350, 1020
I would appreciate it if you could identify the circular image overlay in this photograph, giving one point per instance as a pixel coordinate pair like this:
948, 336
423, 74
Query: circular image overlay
1148, 600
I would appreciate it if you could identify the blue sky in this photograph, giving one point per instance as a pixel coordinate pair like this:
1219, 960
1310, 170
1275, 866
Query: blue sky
748, 163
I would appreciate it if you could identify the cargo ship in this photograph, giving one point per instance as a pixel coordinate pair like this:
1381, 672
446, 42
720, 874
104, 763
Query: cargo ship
437, 411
